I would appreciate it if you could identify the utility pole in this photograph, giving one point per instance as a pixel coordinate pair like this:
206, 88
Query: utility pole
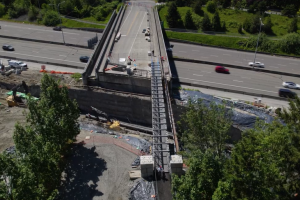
261, 24
60, 19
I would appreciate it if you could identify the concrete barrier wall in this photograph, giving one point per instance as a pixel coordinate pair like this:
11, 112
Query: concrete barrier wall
102, 56
128, 108
92, 61
125, 83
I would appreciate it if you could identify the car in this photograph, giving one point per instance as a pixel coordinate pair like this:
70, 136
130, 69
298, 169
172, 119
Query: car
169, 49
8, 47
286, 93
291, 85
144, 30
84, 59
256, 64
16, 63
220, 69
58, 28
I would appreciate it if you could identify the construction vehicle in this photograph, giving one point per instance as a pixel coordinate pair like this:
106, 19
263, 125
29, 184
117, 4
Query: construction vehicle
14, 100
113, 124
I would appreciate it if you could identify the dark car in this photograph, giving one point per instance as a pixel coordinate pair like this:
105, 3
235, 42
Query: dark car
220, 69
8, 48
286, 93
84, 59
58, 28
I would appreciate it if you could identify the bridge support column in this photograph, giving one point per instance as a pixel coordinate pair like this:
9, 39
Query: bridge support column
147, 165
176, 164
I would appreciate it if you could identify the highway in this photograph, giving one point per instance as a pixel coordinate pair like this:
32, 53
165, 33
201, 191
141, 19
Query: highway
233, 57
58, 54
46, 33
238, 79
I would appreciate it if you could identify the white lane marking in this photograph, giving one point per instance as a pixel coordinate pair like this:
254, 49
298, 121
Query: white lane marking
238, 81
226, 54
293, 64
245, 77
228, 85
214, 55
136, 34
38, 56
63, 55
196, 50
281, 65
273, 67
197, 75
40, 29
182, 51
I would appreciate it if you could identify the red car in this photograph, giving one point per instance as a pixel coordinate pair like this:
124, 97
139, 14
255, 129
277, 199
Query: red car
221, 69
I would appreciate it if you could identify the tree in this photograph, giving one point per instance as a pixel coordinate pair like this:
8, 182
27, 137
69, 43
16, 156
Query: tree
290, 43
188, 20
198, 8
35, 169
289, 10
51, 18
205, 127
291, 115
268, 26
262, 7
2, 10
247, 24
211, 6
201, 179
293, 26
263, 165
179, 3
216, 23
173, 16
32, 13
206, 24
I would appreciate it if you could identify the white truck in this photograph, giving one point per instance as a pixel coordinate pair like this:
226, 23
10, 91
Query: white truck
17, 64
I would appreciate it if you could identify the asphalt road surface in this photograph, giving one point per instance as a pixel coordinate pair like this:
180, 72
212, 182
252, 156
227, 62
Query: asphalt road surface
132, 42
46, 33
241, 80
58, 54
233, 57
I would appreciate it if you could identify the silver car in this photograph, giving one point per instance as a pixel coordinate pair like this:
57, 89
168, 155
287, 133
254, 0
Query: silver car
256, 64
291, 85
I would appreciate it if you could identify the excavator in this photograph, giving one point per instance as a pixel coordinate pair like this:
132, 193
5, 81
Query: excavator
14, 100
113, 124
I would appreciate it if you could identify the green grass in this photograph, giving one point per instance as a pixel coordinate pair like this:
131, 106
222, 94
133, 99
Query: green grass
76, 76
232, 19
231, 42
69, 23
92, 19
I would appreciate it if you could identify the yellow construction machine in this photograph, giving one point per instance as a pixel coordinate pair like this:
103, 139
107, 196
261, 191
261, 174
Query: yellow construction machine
14, 99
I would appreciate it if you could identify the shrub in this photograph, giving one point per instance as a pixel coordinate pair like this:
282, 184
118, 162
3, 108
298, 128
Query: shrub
188, 20
289, 10
268, 26
232, 24
206, 24
16, 11
51, 18
240, 28
290, 43
216, 22
32, 13
293, 26
99, 16
211, 6
2, 10
198, 8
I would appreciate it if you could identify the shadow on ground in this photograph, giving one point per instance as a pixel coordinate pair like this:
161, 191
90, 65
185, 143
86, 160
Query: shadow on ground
82, 174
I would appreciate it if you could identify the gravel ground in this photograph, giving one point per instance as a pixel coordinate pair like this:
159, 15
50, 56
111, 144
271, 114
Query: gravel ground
97, 171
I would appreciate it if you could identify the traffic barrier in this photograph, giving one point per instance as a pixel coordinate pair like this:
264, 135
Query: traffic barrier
55, 72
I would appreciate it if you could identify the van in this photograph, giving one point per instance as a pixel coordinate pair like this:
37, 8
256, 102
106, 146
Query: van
16, 63
286, 93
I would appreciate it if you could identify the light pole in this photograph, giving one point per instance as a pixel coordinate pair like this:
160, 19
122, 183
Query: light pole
60, 19
261, 24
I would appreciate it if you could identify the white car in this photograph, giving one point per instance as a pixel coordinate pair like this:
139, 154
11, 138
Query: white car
256, 64
291, 85
16, 63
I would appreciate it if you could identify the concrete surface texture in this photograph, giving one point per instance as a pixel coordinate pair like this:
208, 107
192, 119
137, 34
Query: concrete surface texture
45, 33
234, 96
132, 42
275, 63
238, 79
51, 53
97, 170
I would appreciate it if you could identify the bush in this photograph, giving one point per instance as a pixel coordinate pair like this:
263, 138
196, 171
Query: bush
2, 10
198, 8
51, 18
206, 24
232, 24
211, 7
188, 20
240, 28
268, 26
290, 43
32, 13
293, 26
252, 25
99, 17
289, 10
16, 11
264, 44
